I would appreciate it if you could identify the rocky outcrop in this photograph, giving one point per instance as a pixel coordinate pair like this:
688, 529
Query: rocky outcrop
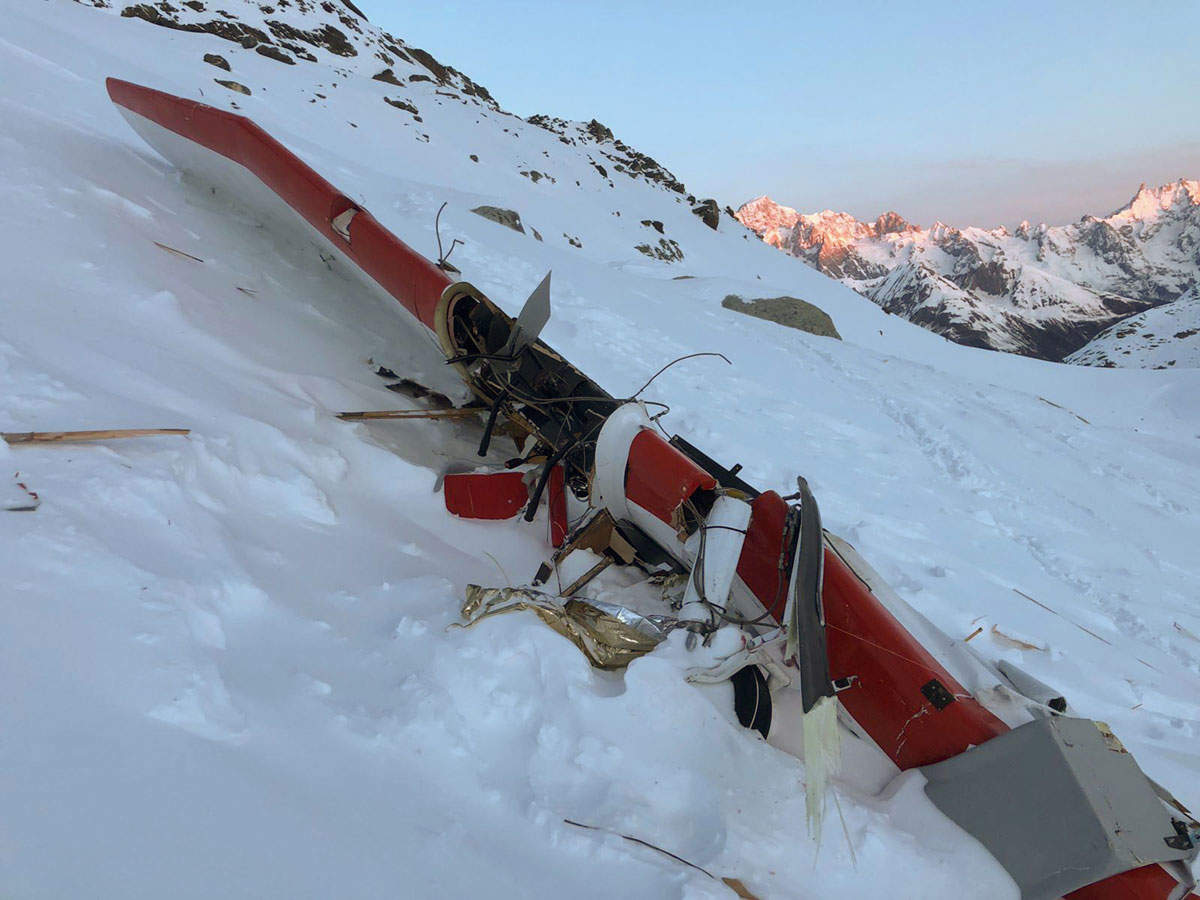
709, 213
404, 105
666, 249
388, 76
621, 157
509, 218
289, 31
233, 86
789, 311
1040, 291
336, 33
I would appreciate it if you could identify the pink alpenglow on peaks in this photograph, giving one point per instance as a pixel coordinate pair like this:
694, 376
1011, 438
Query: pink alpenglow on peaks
1040, 290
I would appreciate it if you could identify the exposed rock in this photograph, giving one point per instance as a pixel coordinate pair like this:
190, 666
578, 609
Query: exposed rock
992, 277
622, 157
890, 223
230, 31
653, 223
709, 213
291, 31
389, 76
440, 72
233, 86
335, 26
354, 9
790, 311
509, 218
469, 87
599, 132
219, 61
272, 52
666, 250
326, 36
404, 105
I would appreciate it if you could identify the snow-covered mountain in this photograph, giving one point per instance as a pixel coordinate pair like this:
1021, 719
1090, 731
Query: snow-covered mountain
1159, 338
337, 36
228, 662
1039, 291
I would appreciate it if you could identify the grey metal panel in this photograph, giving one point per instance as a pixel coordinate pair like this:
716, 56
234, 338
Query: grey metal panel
1059, 803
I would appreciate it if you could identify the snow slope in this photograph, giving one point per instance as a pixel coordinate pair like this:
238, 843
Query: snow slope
227, 655
1156, 339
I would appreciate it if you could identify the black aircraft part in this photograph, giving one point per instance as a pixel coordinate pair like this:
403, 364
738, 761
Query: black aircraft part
935, 692
647, 550
751, 699
727, 478
808, 614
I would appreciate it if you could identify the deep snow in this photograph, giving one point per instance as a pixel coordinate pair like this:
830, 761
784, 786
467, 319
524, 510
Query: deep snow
227, 658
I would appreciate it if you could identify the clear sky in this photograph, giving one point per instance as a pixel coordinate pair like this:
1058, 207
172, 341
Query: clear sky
970, 113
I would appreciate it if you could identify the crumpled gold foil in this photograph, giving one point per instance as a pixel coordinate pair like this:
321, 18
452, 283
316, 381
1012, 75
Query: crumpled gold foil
606, 641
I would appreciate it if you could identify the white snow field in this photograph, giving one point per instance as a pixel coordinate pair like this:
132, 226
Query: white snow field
225, 659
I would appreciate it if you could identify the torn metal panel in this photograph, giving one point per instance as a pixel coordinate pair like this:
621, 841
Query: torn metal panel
1060, 804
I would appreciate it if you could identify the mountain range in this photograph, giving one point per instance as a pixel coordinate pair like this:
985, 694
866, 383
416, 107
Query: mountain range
1039, 290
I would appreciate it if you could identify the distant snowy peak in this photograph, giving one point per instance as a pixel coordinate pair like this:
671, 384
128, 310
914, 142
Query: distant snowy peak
766, 218
1149, 203
823, 238
829, 238
1041, 291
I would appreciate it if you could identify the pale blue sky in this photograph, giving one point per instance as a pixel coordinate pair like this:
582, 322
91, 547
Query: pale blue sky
973, 113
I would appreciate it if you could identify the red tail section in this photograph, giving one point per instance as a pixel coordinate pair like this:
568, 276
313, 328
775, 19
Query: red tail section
397, 268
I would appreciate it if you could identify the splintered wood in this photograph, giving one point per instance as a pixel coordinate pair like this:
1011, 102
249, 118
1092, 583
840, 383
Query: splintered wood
1012, 640
177, 252
1064, 618
452, 413
76, 437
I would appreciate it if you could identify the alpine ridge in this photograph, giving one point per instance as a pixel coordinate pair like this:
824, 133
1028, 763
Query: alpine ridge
1041, 291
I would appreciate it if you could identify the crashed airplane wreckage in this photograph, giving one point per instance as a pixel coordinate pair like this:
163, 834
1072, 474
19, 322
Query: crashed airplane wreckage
767, 599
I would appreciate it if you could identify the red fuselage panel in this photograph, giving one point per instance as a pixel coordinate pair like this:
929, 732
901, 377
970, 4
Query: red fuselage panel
405, 274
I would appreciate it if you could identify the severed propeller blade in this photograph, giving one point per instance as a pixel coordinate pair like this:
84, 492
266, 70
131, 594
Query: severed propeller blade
533, 317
